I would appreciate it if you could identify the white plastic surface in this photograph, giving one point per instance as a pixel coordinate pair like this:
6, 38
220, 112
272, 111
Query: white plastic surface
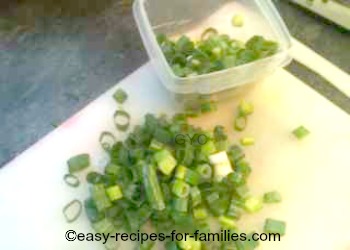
180, 17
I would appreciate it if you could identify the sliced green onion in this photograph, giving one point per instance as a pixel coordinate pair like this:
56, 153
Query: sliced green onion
275, 226
242, 191
165, 161
245, 108
120, 96
196, 197
91, 211
78, 163
238, 21
272, 197
180, 189
112, 169
227, 223
208, 148
190, 244
94, 178
98, 193
114, 193
180, 204
72, 210
301, 132
212, 198
247, 141
171, 245
208, 33
222, 165
240, 123
107, 140
187, 175
152, 187
71, 180
253, 204
234, 210
121, 120
156, 145
103, 226
200, 213
205, 171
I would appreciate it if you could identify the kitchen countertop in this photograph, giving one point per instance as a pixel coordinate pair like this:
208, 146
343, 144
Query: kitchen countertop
53, 68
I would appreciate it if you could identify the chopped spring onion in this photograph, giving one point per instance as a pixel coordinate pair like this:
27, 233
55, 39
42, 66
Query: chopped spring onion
240, 123
247, 141
205, 171
275, 226
98, 193
238, 21
152, 187
72, 210
208, 33
180, 189
94, 178
103, 226
200, 213
71, 180
187, 175
196, 197
78, 163
222, 165
120, 96
107, 140
114, 193
272, 197
245, 108
227, 223
165, 161
121, 120
189, 244
253, 204
180, 204
301, 132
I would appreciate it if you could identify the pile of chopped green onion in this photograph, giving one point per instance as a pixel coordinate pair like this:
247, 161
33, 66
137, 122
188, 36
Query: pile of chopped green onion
152, 180
214, 52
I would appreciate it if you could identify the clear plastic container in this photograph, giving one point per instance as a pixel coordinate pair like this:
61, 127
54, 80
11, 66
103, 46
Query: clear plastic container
191, 17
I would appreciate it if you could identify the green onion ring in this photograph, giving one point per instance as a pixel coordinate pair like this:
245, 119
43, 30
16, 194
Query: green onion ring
119, 115
107, 140
70, 206
240, 123
71, 180
208, 33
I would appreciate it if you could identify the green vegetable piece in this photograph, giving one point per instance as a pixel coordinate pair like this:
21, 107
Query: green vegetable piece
71, 180
94, 178
103, 226
272, 197
122, 120
190, 244
275, 226
240, 123
78, 163
114, 193
200, 213
245, 108
205, 171
180, 189
238, 21
107, 140
120, 96
152, 187
301, 132
209, 32
171, 245
165, 161
180, 204
247, 141
227, 223
72, 210
253, 204
196, 196
101, 200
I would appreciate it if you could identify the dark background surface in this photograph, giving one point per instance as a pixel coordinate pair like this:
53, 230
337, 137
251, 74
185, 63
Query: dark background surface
52, 66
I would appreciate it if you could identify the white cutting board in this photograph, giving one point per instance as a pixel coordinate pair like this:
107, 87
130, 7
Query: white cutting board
312, 175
